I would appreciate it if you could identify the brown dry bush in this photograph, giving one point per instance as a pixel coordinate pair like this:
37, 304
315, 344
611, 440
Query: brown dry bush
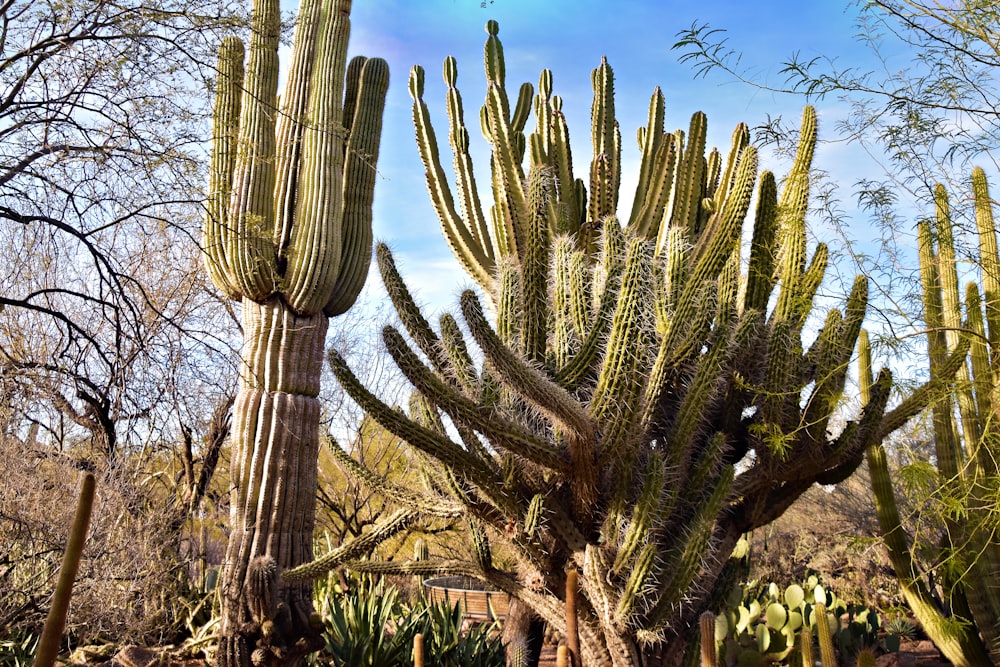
831, 532
133, 572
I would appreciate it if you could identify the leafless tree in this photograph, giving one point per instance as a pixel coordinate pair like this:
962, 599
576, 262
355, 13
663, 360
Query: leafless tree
102, 139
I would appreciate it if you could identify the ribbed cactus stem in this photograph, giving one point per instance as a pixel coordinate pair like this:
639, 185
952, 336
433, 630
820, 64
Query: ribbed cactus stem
262, 583
946, 436
216, 235
616, 395
288, 231
502, 432
824, 634
706, 631
55, 622
650, 186
806, 647
535, 263
508, 182
397, 522
573, 617
251, 211
989, 255
517, 653
605, 169
690, 186
445, 508
472, 251
763, 246
358, 187
409, 313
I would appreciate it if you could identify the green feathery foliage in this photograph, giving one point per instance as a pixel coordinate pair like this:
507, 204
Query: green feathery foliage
645, 396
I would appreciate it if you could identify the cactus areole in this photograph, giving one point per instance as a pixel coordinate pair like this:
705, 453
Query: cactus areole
287, 232
646, 396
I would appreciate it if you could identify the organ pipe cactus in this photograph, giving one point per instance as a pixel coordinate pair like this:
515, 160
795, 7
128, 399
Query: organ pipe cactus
288, 233
966, 439
646, 396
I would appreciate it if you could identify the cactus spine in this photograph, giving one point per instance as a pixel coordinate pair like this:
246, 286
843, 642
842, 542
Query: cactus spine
966, 450
287, 232
55, 622
627, 369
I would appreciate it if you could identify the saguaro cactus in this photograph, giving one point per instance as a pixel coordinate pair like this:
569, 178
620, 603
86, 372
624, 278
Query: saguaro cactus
967, 444
287, 232
645, 397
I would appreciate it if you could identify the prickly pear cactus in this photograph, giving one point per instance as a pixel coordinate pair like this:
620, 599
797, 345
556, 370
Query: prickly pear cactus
631, 365
287, 232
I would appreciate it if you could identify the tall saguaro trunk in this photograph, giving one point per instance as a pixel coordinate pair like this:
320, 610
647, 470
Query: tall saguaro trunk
288, 233
275, 447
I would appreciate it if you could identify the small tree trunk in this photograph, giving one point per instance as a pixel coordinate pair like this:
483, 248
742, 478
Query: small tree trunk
274, 452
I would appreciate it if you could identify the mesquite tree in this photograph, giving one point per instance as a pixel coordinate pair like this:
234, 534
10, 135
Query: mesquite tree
645, 396
287, 232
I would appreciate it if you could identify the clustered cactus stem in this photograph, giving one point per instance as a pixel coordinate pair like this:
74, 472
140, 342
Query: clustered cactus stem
287, 232
966, 439
646, 397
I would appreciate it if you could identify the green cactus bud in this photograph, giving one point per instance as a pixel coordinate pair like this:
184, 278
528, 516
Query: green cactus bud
262, 577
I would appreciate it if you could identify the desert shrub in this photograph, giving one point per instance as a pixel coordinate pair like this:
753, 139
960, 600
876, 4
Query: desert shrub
832, 532
135, 574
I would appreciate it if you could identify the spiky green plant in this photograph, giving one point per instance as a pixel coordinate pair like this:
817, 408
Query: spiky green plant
646, 397
824, 635
288, 233
966, 439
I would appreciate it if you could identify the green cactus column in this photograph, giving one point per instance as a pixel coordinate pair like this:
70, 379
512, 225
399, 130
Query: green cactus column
642, 400
287, 232
963, 356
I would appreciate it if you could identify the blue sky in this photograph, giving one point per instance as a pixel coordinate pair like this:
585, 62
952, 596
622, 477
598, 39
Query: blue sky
569, 38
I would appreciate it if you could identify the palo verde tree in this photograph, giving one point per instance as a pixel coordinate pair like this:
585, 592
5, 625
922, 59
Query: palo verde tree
288, 233
966, 446
645, 398
930, 112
